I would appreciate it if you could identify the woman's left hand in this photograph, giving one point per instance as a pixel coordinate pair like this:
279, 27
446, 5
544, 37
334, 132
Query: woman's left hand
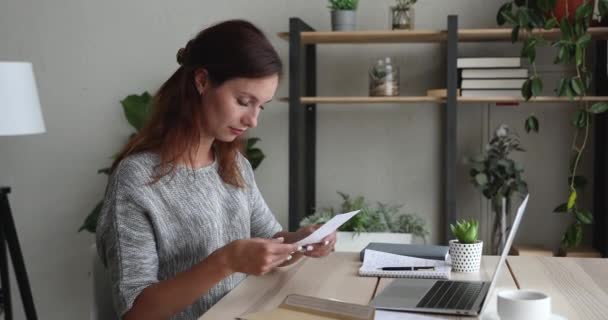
317, 250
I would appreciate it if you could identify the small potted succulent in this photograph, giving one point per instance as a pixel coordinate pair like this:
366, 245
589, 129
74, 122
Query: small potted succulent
343, 14
465, 250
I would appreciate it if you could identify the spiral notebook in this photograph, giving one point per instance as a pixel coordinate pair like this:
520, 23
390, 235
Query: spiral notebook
375, 260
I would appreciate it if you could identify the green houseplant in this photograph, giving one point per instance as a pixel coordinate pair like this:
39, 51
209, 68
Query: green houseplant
382, 218
499, 177
343, 14
465, 250
137, 109
526, 19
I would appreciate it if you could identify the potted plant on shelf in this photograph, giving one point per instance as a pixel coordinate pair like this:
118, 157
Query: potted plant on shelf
137, 109
402, 15
382, 223
465, 250
573, 19
499, 177
343, 14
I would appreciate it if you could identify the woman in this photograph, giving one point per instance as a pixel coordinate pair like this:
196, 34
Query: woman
183, 221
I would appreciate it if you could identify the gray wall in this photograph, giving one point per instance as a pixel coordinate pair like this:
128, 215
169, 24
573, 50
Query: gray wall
88, 55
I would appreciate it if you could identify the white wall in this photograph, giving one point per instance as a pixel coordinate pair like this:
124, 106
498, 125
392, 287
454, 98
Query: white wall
88, 55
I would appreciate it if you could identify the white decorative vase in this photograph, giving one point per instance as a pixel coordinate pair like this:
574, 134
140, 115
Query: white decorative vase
465, 257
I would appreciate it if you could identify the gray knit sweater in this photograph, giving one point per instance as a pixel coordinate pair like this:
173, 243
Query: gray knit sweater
149, 233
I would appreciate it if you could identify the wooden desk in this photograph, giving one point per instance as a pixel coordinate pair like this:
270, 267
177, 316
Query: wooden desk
578, 287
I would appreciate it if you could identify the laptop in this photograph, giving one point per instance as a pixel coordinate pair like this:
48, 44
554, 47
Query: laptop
445, 296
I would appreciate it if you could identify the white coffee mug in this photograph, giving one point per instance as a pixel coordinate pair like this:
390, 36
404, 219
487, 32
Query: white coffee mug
523, 305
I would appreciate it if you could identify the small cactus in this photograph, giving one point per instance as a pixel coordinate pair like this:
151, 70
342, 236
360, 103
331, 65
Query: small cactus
465, 231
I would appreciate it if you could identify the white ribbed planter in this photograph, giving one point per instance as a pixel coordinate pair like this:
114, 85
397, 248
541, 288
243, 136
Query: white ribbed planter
465, 257
353, 242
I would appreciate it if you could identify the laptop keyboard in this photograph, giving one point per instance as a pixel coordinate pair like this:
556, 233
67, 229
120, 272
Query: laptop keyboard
457, 295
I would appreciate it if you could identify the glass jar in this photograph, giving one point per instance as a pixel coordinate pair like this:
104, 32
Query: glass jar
402, 18
384, 79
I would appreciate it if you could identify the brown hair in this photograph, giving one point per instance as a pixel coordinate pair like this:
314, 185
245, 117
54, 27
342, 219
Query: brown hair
228, 50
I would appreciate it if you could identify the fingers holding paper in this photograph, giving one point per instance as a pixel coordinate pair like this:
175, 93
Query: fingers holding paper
323, 248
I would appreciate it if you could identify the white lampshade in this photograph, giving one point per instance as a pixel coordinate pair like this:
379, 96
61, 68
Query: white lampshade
19, 104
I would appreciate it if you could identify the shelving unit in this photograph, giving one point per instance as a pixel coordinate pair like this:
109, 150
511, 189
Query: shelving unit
303, 102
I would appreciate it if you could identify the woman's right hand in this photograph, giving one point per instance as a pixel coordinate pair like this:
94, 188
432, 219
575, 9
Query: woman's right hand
257, 256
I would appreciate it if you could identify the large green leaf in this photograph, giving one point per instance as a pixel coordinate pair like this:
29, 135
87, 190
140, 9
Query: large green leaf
137, 109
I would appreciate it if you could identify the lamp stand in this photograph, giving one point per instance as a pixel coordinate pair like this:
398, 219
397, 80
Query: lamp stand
8, 236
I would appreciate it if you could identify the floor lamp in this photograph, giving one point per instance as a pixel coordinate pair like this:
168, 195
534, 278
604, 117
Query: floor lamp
19, 115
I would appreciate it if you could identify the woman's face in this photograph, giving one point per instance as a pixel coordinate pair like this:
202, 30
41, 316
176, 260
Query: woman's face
232, 108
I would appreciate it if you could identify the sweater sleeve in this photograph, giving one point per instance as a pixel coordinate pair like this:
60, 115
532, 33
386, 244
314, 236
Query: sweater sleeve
263, 223
126, 242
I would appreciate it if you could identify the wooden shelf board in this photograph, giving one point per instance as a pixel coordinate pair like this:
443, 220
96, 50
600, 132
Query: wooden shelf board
421, 36
414, 99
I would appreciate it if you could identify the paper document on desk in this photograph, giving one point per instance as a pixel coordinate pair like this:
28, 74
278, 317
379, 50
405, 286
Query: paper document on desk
375, 260
327, 228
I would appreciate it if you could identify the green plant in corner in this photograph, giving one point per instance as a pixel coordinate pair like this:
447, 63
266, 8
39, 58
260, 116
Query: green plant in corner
529, 17
465, 231
499, 177
137, 109
382, 218
343, 4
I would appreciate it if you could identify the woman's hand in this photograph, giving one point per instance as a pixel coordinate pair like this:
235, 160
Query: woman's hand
257, 256
317, 250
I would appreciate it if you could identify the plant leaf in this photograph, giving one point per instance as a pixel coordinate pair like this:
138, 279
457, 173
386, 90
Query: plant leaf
137, 109
561, 208
599, 107
602, 8
481, 179
514, 34
526, 90
500, 19
571, 200
537, 86
566, 29
577, 86
90, 222
561, 87
551, 23
579, 54
584, 217
583, 11
532, 124
580, 119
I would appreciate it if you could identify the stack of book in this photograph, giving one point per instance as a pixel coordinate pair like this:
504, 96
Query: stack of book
491, 77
